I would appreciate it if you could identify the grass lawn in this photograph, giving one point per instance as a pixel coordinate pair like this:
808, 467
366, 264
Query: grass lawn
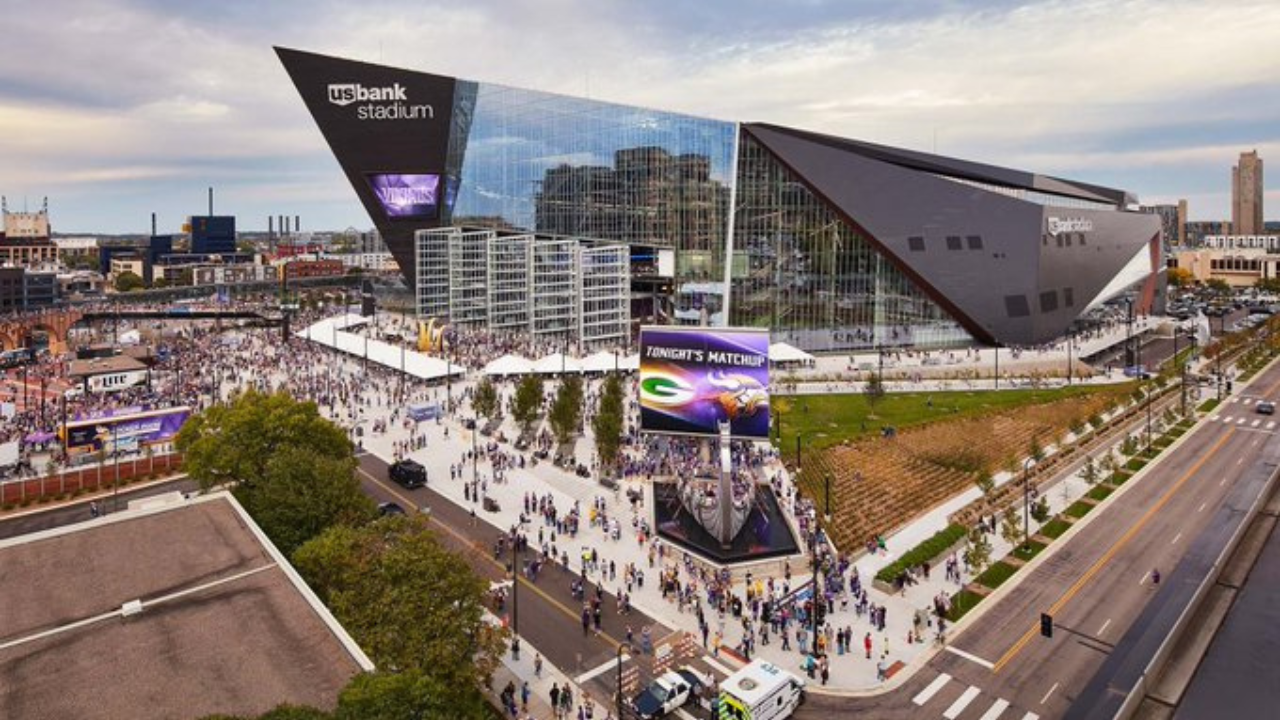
995, 575
961, 603
1054, 528
1032, 548
1078, 509
1120, 476
827, 420
1208, 405
1099, 493
1136, 464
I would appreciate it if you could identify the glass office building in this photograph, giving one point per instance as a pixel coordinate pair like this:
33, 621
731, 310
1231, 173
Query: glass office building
833, 244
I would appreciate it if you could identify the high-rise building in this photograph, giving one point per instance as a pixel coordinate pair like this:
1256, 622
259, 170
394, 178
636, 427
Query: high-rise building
1246, 195
1170, 221
1182, 223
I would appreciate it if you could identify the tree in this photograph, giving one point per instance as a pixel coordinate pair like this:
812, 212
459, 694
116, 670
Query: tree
1011, 527
409, 694
1040, 510
566, 409
293, 471
527, 409
1180, 277
1266, 285
186, 278
485, 400
977, 552
410, 603
1090, 472
1218, 286
159, 283
874, 390
129, 282
608, 421
986, 483
1035, 450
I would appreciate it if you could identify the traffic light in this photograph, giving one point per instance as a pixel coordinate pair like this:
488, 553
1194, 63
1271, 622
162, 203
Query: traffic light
1046, 625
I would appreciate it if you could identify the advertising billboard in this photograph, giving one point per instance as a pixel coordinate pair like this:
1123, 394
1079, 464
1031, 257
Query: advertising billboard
125, 433
405, 196
693, 379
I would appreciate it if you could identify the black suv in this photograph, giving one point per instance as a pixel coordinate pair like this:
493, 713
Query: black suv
408, 473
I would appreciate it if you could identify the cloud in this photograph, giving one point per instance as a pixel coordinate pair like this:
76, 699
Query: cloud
114, 106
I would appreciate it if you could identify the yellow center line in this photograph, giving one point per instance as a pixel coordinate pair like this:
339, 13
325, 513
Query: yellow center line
1107, 557
483, 555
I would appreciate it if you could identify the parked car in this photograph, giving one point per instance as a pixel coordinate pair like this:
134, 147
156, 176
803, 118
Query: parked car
390, 508
408, 473
669, 691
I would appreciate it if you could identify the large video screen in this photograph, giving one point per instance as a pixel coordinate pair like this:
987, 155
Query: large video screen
693, 379
406, 196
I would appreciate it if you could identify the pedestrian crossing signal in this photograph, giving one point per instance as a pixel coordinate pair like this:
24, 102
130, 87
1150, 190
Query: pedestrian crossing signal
1046, 625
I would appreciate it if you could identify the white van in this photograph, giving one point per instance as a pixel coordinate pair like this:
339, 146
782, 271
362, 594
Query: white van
760, 691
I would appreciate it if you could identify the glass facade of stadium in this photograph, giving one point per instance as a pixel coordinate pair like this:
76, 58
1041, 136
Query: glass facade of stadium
832, 244
587, 169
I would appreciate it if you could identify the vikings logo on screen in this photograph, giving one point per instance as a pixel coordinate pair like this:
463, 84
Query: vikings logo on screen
406, 196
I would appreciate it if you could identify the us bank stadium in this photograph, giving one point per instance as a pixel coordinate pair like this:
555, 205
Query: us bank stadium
534, 212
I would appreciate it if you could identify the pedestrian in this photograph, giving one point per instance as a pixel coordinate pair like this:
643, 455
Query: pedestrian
1155, 576
524, 695
537, 665
866, 642
555, 697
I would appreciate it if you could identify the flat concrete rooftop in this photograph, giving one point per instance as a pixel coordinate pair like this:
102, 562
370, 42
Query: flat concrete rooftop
223, 627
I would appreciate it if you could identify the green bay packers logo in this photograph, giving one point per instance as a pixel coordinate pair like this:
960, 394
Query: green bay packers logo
665, 389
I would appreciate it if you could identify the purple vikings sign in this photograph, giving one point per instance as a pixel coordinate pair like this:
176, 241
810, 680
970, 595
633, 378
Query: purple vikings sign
691, 380
404, 196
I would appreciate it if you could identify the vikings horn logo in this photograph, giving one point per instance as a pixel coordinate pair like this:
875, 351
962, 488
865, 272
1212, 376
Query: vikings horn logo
740, 395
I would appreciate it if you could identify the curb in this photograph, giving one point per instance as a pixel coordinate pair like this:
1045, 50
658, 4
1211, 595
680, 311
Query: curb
38, 507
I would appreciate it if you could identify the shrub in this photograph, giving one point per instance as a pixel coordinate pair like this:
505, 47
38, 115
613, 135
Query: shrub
1040, 511
1029, 550
924, 552
996, 575
7, 507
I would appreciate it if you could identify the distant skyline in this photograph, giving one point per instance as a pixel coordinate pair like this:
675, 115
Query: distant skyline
118, 108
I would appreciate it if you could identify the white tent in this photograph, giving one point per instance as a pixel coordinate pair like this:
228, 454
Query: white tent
782, 352
603, 361
556, 363
328, 332
509, 365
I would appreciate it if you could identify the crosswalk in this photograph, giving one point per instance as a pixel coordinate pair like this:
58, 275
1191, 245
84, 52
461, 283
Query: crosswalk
968, 698
1256, 423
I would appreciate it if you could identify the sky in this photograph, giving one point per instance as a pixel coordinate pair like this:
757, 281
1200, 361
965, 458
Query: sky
114, 109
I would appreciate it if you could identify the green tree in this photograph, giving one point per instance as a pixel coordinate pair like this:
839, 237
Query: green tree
1040, 510
1218, 286
485, 400
874, 390
986, 483
293, 471
977, 552
1011, 526
409, 694
129, 282
1090, 472
409, 602
1035, 450
566, 409
527, 409
608, 421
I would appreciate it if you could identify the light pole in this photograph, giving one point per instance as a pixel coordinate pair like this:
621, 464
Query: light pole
621, 645
1148, 391
813, 610
826, 487
1026, 501
997, 370
515, 595
1069, 357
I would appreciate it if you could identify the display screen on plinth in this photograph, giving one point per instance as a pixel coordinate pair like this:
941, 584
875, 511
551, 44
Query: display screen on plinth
693, 379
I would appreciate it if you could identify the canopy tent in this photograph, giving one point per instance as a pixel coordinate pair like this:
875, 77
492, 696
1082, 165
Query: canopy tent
557, 363
509, 365
604, 361
328, 332
781, 352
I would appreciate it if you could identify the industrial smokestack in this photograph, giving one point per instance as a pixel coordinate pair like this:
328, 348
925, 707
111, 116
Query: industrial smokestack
153, 224
297, 223
271, 228
286, 224
210, 201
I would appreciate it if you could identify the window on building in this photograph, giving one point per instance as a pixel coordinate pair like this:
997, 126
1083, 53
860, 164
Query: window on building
1017, 306
953, 242
915, 243
975, 242
1048, 301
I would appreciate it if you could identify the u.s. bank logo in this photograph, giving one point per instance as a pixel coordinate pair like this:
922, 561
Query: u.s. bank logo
342, 94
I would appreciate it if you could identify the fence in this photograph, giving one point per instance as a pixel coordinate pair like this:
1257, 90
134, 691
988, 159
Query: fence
95, 477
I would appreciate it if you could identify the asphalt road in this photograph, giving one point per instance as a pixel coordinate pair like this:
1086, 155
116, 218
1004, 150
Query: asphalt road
1095, 586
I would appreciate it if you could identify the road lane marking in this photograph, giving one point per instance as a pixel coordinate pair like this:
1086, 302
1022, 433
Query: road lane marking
1201, 508
484, 556
600, 669
683, 714
1111, 553
1255, 423
1241, 420
1176, 538
1223, 481
970, 657
1271, 424
716, 664
1044, 699
932, 689
1031, 716
961, 703
996, 710
1104, 626
1213, 418
1240, 461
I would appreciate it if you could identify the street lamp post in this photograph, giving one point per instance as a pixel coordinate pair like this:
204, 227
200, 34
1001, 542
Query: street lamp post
997, 370
515, 596
1068, 357
1026, 501
1148, 390
813, 610
826, 487
621, 645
